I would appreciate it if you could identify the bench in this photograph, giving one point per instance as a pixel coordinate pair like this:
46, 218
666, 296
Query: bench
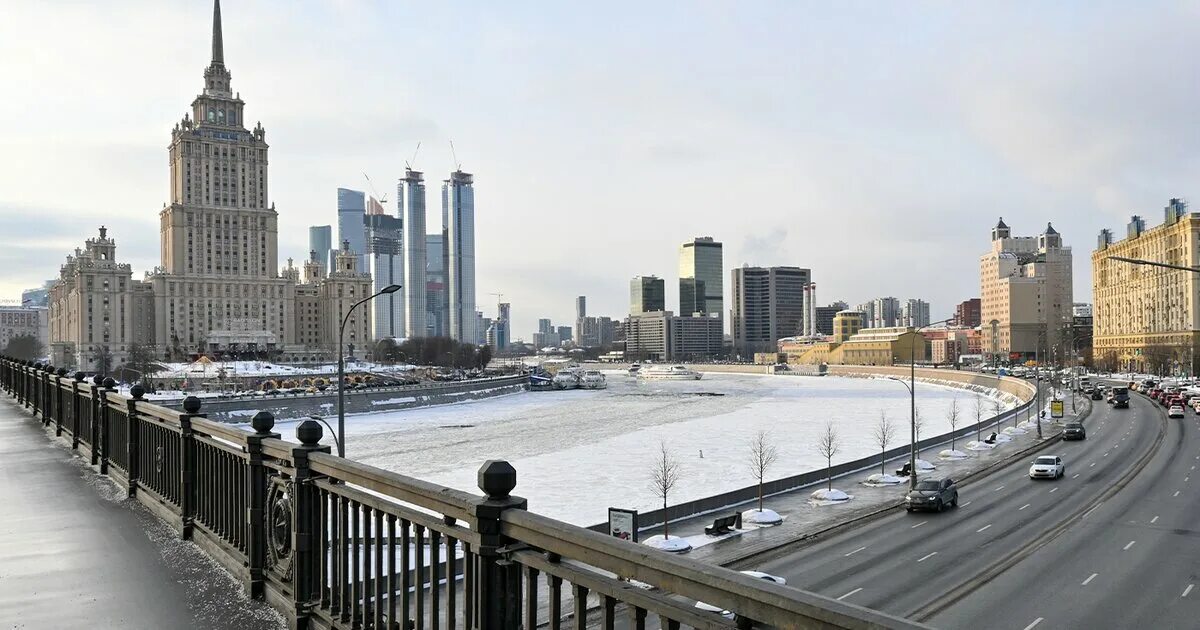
723, 525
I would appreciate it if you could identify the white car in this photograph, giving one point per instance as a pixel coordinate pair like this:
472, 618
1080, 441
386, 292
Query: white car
754, 574
1176, 411
1047, 467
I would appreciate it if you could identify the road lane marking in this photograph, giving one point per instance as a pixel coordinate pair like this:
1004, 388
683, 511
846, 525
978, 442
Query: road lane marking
924, 558
855, 551
918, 524
1075, 475
1090, 578
1192, 468
1053, 489
1129, 545
1187, 590
1106, 453
1094, 508
965, 504
1091, 464
1176, 494
999, 488
983, 528
1154, 520
850, 593
1022, 507
1035, 623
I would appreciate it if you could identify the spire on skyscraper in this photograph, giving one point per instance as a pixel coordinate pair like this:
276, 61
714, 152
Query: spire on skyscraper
218, 45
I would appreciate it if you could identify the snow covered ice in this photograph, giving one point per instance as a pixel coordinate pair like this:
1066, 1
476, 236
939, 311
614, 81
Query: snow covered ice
577, 452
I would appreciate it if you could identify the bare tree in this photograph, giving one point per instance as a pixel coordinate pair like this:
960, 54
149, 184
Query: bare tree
884, 433
663, 476
978, 417
918, 424
952, 419
998, 408
762, 455
828, 445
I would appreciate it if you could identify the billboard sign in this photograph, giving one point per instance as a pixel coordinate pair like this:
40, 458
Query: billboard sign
623, 524
1056, 408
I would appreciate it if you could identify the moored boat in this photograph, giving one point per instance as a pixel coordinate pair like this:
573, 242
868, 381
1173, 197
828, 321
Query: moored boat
669, 373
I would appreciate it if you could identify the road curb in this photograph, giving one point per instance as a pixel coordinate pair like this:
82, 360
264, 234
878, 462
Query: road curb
858, 521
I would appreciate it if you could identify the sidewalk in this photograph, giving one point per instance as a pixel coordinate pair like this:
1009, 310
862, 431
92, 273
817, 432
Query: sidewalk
75, 553
803, 519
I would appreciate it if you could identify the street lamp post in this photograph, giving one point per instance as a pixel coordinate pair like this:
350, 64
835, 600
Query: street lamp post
912, 394
341, 441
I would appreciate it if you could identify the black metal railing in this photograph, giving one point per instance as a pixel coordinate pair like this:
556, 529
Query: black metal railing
333, 543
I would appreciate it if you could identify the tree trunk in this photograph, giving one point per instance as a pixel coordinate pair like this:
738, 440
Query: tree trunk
829, 473
666, 520
760, 492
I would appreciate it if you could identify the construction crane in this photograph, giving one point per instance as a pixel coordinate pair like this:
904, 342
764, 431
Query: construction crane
457, 164
499, 296
383, 199
407, 164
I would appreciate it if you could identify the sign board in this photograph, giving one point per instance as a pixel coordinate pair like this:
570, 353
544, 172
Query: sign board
623, 524
1056, 408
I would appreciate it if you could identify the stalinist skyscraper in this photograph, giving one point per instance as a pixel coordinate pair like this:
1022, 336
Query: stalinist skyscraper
218, 284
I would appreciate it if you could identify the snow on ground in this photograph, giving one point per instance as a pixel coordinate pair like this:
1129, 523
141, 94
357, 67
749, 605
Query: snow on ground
199, 369
884, 479
924, 465
674, 544
952, 454
832, 496
763, 517
579, 452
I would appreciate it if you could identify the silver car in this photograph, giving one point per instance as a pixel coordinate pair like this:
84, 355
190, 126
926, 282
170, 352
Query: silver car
1047, 467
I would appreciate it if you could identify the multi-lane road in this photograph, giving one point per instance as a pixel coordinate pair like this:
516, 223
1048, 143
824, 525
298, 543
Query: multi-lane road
1115, 543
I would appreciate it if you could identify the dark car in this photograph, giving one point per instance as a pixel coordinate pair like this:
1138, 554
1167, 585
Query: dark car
1097, 394
1120, 398
1074, 431
932, 494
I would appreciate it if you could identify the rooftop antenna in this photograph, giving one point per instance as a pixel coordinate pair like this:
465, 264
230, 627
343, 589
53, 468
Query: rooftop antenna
457, 164
407, 165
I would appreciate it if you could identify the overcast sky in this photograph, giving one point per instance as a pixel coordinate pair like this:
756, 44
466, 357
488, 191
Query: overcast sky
875, 143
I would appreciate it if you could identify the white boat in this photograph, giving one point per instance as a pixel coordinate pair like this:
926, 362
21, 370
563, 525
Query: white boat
592, 379
634, 369
669, 373
567, 378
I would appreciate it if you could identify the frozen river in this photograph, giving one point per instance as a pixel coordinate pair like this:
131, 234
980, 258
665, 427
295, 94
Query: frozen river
579, 452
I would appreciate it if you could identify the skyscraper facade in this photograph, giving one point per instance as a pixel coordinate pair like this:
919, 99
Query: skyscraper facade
385, 263
885, 314
1025, 288
503, 326
437, 322
701, 277
320, 240
647, 294
351, 209
410, 194
914, 313
768, 304
458, 216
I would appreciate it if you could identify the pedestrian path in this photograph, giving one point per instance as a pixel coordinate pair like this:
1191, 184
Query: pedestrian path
75, 553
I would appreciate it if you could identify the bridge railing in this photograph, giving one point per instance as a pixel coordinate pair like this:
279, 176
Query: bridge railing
334, 543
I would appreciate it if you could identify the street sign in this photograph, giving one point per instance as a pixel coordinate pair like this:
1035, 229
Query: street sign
623, 524
1056, 408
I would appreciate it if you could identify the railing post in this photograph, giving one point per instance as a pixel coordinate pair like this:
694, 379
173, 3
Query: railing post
305, 522
108, 386
256, 495
97, 409
44, 394
133, 467
36, 380
499, 580
76, 408
58, 402
187, 466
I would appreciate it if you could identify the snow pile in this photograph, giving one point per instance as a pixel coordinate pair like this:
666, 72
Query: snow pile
952, 454
1014, 431
924, 465
763, 517
829, 497
674, 544
883, 479
980, 446
1001, 438
1027, 424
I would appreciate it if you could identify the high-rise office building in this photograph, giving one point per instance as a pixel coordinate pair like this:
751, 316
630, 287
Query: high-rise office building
410, 195
351, 210
544, 325
701, 277
825, 315
885, 313
437, 322
320, 240
385, 263
564, 333
581, 307
458, 216
768, 304
647, 294
914, 313
502, 326
1025, 288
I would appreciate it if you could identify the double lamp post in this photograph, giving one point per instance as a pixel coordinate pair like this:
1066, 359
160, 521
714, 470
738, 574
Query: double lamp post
341, 432
911, 385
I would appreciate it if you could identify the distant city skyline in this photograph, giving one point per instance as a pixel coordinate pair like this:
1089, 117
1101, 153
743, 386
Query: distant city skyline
993, 110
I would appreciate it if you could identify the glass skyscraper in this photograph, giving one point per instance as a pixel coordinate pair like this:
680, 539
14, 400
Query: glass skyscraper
352, 207
458, 217
701, 271
410, 194
320, 240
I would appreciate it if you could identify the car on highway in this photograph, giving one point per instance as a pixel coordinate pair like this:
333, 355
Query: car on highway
1047, 467
1175, 411
1097, 394
754, 574
1120, 398
1074, 431
932, 494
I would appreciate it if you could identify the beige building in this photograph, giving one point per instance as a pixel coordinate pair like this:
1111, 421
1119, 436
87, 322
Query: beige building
1025, 292
218, 290
869, 346
1148, 318
24, 321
